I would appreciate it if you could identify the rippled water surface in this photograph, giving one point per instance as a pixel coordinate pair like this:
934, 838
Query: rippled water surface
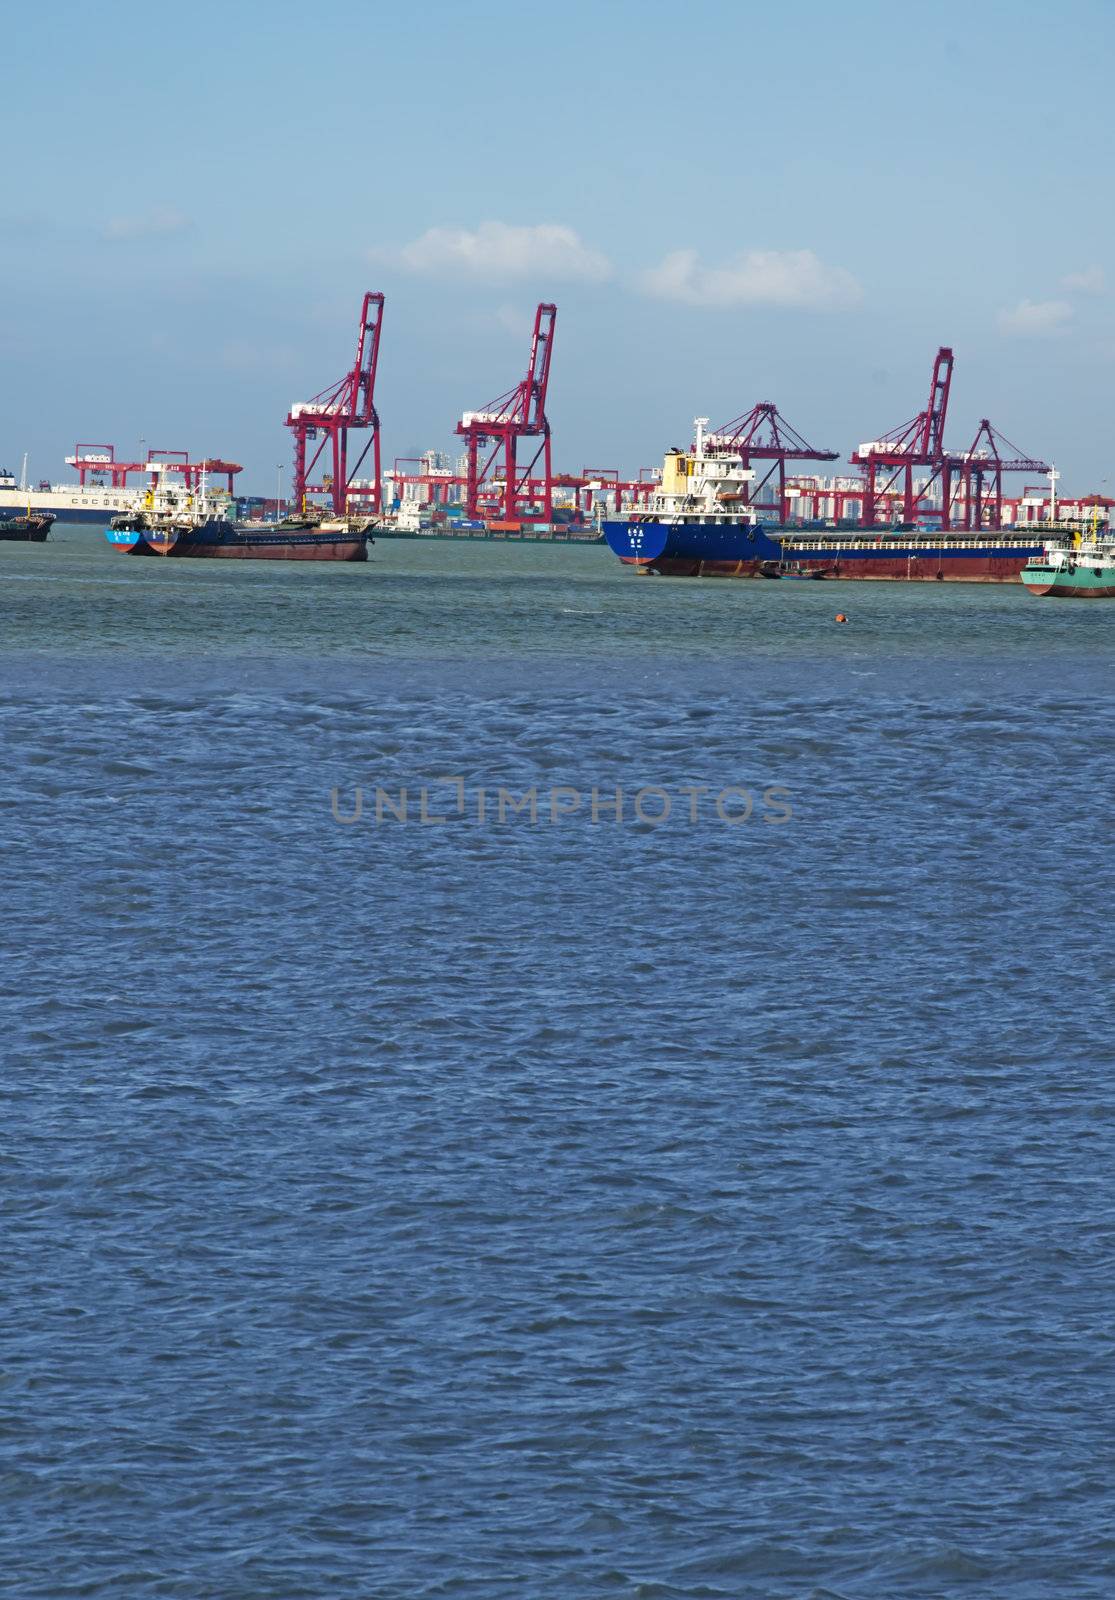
496, 1208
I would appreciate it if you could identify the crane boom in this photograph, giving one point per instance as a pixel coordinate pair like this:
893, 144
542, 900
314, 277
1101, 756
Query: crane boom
762, 434
931, 442
538, 372
362, 399
349, 403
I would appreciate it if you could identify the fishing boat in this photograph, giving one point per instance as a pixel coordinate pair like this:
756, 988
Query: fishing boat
1083, 570
31, 529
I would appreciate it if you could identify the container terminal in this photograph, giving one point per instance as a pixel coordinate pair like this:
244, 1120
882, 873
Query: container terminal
503, 483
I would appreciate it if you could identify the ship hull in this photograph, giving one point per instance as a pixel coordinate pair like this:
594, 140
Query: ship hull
932, 558
693, 549
934, 567
690, 567
1068, 591
736, 550
1079, 582
224, 541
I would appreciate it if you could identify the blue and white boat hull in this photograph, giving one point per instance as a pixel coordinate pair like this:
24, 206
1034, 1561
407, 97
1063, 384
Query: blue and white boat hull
693, 548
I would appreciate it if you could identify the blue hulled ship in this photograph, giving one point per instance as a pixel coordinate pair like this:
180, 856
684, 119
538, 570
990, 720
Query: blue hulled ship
699, 523
699, 519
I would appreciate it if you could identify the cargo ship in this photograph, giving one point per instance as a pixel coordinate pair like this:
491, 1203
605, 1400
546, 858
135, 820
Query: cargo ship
30, 529
71, 502
340, 541
698, 523
172, 523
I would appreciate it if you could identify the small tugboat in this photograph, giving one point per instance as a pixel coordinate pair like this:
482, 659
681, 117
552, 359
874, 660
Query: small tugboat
172, 523
31, 529
1084, 570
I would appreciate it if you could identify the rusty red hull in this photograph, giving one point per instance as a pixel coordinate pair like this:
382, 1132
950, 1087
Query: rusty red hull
319, 550
935, 567
942, 568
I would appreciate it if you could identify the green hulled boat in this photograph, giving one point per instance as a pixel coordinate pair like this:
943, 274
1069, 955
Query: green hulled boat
1084, 571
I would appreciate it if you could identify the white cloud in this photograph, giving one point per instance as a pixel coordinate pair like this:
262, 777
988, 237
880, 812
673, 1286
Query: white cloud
1036, 317
1091, 281
794, 278
151, 225
501, 252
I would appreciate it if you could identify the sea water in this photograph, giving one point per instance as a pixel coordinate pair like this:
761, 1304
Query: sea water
414, 1195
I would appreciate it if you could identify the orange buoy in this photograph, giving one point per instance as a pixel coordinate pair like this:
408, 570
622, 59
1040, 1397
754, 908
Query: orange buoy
840, 617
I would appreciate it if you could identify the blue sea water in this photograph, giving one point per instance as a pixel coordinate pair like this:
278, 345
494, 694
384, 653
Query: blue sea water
489, 1208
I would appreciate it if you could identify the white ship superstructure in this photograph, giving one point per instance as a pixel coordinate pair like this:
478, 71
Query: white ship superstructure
706, 484
169, 503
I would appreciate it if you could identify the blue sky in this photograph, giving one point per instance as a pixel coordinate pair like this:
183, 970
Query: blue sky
728, 203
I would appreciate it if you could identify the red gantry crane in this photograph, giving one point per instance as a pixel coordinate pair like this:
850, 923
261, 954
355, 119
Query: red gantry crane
764, 435
977, 472
980, 472
99, 462
519, 414
332, 413
919, 443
